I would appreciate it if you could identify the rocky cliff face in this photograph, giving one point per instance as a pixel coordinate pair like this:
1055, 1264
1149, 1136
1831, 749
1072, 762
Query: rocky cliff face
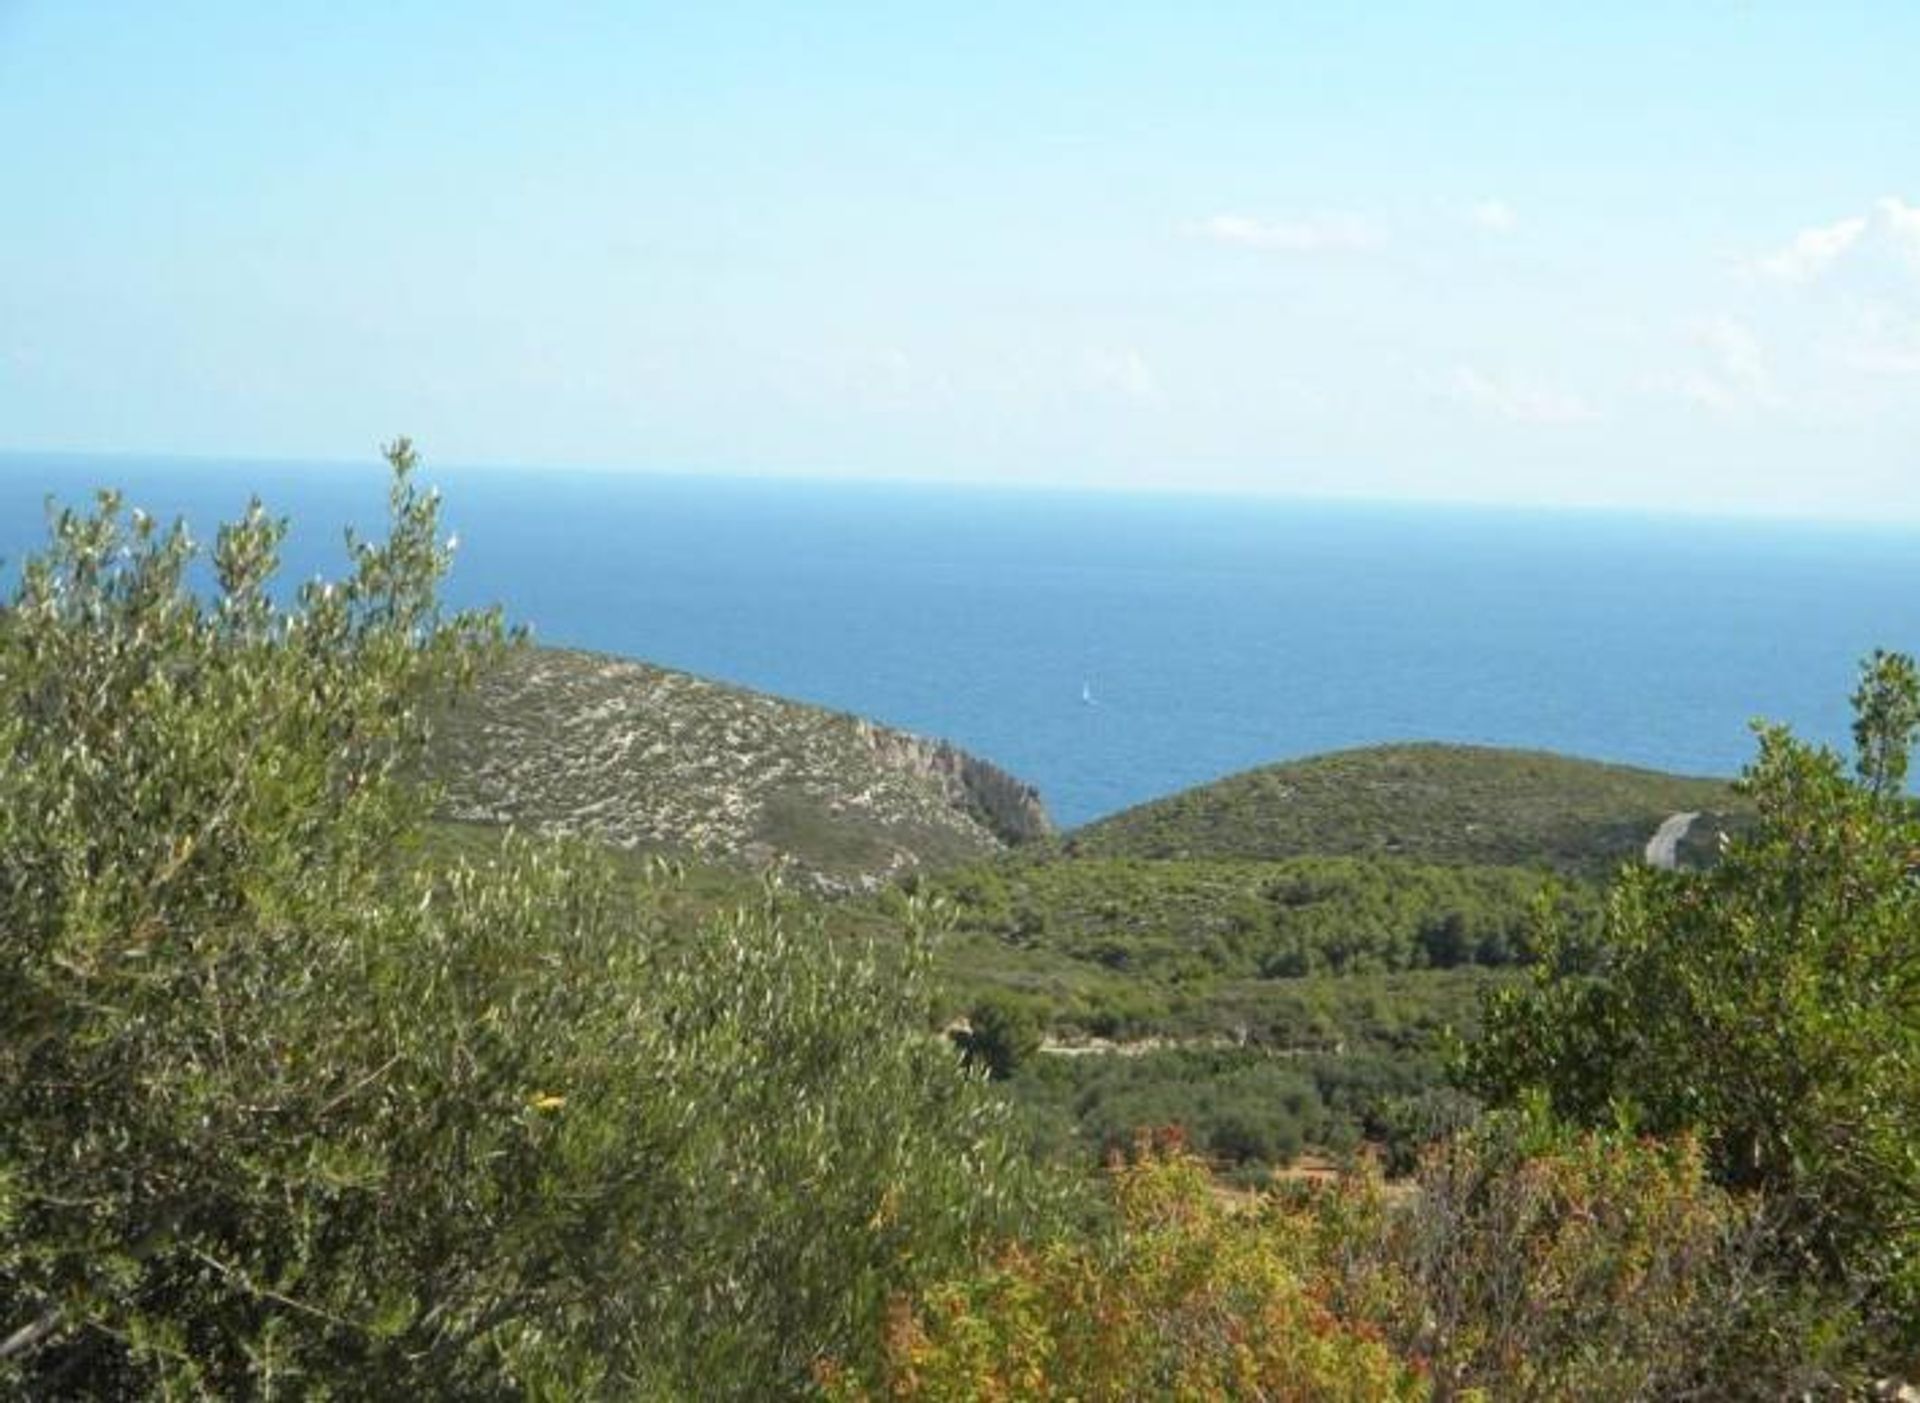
1007, 807
655, 760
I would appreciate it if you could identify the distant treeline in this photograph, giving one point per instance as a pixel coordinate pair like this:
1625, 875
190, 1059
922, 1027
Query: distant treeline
1174, 920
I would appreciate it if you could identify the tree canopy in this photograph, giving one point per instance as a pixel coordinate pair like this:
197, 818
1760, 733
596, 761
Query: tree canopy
287, 1109
1771, 1004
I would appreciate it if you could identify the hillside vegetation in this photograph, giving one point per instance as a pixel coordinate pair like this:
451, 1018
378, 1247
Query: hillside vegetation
647, 759
1266, 1007
1268, 1000
1178, 919
1437, 803
1280, 961
300, 1097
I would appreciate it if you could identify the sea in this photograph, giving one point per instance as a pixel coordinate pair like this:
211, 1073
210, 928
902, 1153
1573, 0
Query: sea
1113, 647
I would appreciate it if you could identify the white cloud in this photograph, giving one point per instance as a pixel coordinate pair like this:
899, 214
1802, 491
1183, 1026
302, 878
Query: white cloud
1518, 399
1318, 233
1902, 223
1812, 251
1858, 318
1495, 216
1892, 224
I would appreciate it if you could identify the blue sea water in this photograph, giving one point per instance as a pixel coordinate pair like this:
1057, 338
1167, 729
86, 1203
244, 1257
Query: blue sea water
1211, 634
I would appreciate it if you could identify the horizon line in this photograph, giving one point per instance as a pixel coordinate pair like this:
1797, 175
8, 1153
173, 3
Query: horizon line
1902, 522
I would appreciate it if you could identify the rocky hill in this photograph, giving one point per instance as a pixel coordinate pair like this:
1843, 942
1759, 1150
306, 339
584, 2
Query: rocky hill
649, 759
1436, 803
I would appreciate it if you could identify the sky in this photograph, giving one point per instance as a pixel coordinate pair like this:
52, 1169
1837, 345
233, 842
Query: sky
1628, 255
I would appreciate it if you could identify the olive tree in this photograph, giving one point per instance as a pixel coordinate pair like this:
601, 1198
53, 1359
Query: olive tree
286, 1109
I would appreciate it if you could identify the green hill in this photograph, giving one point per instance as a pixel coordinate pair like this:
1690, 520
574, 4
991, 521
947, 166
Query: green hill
1435, 803
1273, 959
1281, 958
651, 760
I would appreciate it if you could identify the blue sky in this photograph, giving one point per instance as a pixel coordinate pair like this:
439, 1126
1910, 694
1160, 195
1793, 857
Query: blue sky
1638, 255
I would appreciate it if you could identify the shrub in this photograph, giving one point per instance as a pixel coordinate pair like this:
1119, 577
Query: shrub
1187, 1297
1533, 1262
282, 1111
1767, 1005
1528, 1262
1001, 1035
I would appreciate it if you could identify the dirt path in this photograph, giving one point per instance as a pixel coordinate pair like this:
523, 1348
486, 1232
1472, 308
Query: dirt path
1663, 848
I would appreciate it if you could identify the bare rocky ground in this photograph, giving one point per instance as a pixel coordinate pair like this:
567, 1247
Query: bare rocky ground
653, 760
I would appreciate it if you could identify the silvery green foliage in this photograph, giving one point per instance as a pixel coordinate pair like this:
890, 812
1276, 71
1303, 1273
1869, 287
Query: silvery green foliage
286, 1110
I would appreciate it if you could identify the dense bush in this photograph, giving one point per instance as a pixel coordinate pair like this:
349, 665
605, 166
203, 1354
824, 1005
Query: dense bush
1177, 921
1532, 1262
284, 1111
1770, 1006
1001, 1034
1234, 1106
1527, 1263
1231, 1063
1238, 1106
1188, 1296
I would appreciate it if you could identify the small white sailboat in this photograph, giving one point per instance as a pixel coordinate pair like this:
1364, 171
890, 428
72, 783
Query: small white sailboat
1086, 694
